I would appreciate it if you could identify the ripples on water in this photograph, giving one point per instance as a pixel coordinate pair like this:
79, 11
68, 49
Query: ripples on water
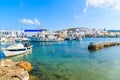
71, 60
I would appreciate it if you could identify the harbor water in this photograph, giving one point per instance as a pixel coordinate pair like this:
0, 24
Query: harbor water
71, 60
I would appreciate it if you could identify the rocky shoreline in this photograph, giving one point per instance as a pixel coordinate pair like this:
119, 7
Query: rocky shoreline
10, 70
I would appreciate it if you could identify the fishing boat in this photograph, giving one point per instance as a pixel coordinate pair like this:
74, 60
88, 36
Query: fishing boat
41, 39
21, 45
79, 38
71, 38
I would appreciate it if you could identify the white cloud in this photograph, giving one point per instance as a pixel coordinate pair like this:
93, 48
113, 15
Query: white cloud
36, 21
107, 4
29, 21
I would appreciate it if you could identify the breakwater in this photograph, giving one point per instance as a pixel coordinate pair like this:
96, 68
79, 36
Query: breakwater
102, 45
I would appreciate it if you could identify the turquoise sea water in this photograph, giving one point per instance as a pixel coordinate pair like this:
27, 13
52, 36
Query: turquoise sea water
71, 60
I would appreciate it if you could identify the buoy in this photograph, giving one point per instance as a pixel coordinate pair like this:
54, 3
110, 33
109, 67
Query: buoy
53, 50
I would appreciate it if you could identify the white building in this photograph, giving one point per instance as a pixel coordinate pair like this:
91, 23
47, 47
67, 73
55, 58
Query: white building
10, 33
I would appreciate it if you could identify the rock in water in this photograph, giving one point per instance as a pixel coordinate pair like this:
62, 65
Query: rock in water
10, 70
26, 65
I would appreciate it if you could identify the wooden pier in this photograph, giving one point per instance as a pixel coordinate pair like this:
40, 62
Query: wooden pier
102, 45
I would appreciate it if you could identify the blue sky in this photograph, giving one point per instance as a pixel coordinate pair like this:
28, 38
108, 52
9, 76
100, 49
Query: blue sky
59, 14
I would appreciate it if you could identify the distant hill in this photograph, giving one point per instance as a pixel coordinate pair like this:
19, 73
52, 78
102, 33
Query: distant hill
72, 28
69, 29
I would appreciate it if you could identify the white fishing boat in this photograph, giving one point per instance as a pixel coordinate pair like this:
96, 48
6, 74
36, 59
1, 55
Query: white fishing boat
22, 45
46, 38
